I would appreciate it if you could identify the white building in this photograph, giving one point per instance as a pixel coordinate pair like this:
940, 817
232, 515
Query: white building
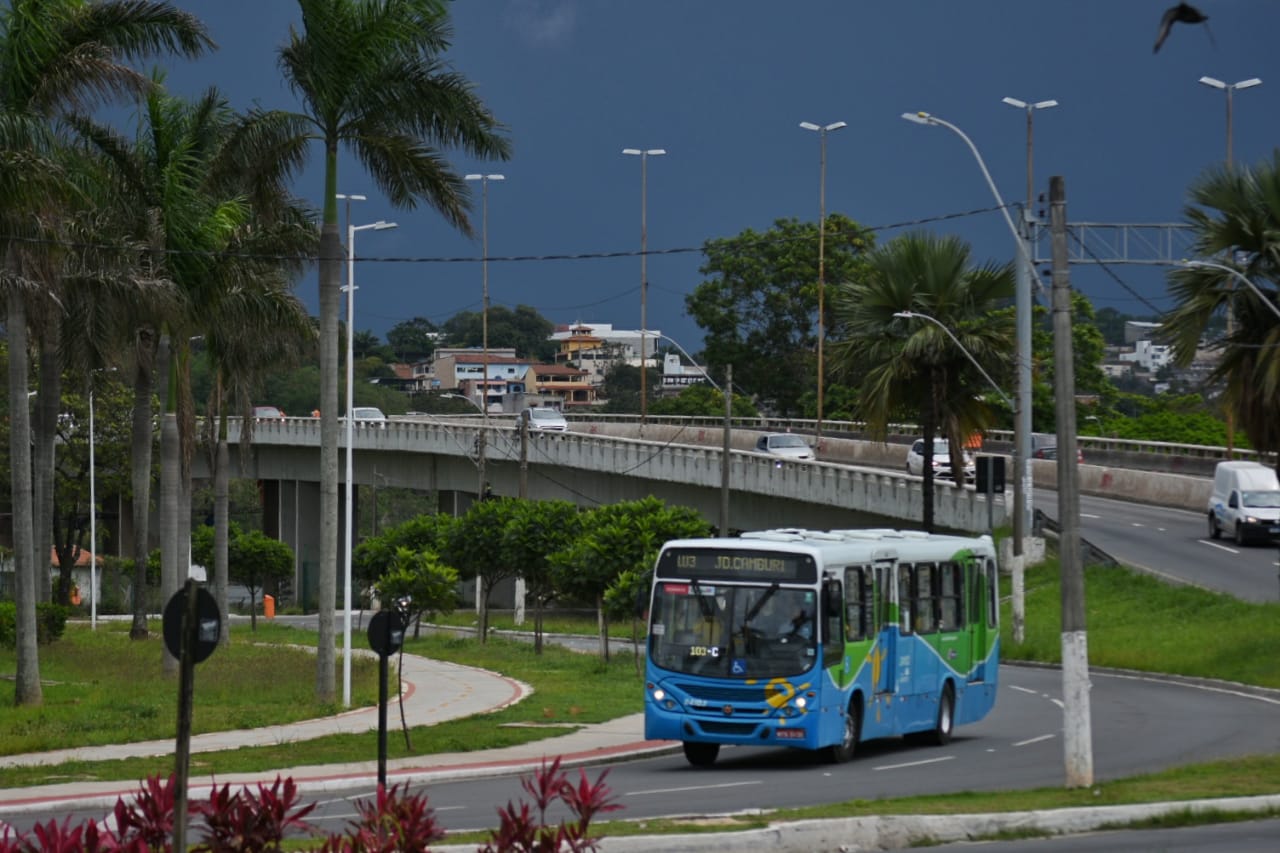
1148, 356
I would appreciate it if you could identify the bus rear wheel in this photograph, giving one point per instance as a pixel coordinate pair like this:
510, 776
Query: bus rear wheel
941, 734
841, 752
701, 754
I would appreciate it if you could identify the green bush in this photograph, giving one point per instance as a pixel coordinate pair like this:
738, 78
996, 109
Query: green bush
51, 622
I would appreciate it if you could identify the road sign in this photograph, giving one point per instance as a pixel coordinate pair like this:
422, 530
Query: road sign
209, 623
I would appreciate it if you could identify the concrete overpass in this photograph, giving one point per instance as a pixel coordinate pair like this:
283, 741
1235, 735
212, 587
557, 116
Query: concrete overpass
858, 483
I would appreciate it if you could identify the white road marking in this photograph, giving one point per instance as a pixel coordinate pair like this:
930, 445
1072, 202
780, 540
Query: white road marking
1216, 545
1089, 515
1034, 740
690, 788
914, 763
1024, 690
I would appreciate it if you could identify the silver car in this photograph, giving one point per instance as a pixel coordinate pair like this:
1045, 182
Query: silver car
544, 419
785, 445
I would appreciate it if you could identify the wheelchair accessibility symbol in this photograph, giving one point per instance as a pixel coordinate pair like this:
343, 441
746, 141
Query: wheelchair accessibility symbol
738, 667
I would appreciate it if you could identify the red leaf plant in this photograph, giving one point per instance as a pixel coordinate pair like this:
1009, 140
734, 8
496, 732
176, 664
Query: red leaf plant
246, 822
394, 822
520, 830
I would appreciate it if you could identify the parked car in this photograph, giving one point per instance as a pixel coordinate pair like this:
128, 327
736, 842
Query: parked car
267, 413
543, 419
941, 460
1245, 502
785, 445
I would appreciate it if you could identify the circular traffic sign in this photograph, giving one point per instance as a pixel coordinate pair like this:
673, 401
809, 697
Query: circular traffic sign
208, 623
386, 632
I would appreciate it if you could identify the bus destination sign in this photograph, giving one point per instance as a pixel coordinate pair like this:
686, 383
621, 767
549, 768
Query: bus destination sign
737, 565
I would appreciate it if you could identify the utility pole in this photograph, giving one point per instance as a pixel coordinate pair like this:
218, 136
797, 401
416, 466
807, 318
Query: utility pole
1077, 727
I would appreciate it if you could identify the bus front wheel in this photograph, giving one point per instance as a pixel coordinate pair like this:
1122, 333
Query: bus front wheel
841, 752
701, 754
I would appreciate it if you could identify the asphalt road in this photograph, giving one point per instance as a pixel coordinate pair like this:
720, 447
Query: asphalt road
1174, 544
1140, 724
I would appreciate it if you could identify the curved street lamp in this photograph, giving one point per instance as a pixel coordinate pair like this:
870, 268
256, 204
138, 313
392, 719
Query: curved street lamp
935, 321
1270, 303
1022, 483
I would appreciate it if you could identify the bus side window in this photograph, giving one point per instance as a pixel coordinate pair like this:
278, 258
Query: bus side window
926, 619
950, 597
993, 595
906, 598
855, 625
832, 611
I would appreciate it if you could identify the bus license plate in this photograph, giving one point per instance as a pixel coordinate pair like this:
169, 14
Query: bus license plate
790, 734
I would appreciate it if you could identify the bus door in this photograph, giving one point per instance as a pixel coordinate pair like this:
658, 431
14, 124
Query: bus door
977, 597
887, 616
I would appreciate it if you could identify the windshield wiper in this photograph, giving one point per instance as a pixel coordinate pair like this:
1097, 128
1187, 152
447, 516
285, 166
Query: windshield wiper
755, 608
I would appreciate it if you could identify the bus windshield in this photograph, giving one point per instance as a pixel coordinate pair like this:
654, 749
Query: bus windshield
734, 631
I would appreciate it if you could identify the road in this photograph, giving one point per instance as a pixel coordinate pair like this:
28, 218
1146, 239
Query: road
1139, 725
1173, 543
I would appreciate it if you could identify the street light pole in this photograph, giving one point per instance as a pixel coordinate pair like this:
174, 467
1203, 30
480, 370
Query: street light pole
93, 522
484, 318
1022, 483
1230, 89
822, 131
644, 155
380, 225
1023, 309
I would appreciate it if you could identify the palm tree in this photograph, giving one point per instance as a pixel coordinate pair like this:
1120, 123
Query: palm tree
371, 80
907, 364
200, 182
1235, 214
57, 55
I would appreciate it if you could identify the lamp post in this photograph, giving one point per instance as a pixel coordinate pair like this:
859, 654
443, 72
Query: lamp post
644, 155
1270, 303
822, 130
1022, 484
380, 225
1230, 89
484, 314
1025, 274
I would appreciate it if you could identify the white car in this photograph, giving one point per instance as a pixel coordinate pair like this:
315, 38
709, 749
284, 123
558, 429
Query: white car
370, 414
941, 459
543, 419
785, 445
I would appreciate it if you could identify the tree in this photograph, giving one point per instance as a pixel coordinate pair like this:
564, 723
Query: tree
370, 78
204, 189
617, 539
421, 581
535, 531
1235, 213
702, 400
253, 560
474, 547
524, 330
375, 556
621, 387
759, 308
912, 364
413, 340
56, 55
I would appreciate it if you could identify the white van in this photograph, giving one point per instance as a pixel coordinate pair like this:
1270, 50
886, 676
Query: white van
1245, 502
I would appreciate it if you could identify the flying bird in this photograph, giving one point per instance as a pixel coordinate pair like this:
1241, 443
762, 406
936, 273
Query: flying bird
1183, 13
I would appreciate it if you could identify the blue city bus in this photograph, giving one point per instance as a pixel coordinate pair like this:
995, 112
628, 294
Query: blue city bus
820, 639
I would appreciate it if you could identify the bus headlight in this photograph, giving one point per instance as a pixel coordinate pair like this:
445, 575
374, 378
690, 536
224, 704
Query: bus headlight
659, 695
801, 702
